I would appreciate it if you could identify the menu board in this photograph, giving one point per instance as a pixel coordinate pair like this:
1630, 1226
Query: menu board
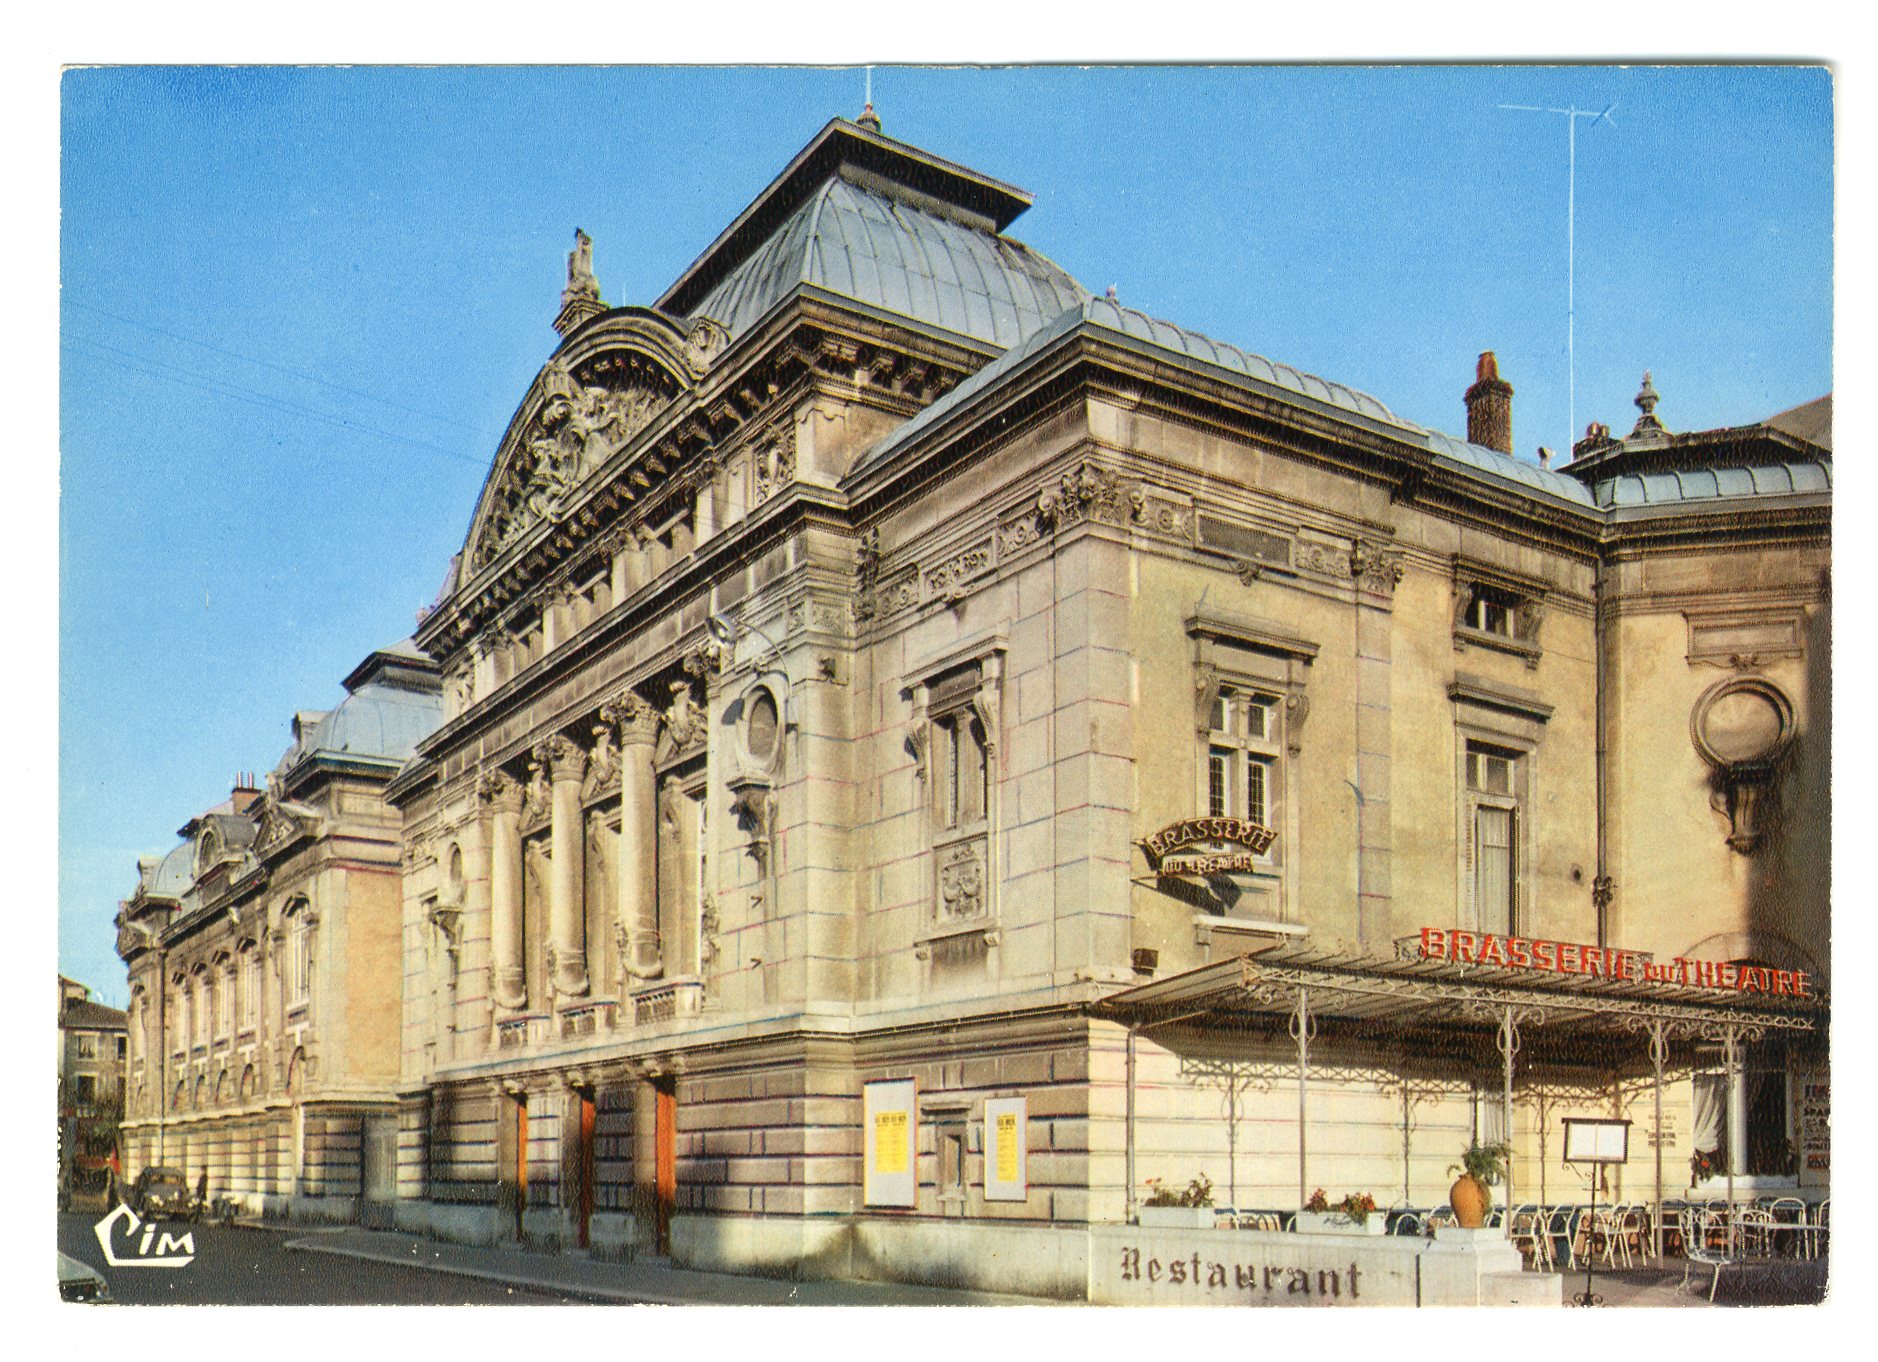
1006, 1136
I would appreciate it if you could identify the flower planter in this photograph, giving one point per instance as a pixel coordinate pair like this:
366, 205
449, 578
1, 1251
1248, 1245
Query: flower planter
1178, 1217
1336, 1222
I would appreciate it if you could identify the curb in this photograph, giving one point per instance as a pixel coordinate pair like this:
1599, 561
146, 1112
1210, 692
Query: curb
595, 1295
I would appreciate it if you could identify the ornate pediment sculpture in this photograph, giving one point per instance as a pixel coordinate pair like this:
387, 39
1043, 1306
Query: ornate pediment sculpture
583, 412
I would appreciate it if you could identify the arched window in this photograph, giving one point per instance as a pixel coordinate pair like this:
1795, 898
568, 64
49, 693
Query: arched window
247, 1081
295, 1074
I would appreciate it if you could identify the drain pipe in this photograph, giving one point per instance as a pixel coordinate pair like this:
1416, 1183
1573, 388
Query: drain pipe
1131, 1211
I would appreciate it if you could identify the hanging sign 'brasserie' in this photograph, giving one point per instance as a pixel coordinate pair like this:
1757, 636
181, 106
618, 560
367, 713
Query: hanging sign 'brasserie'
1607, 962
1163, 847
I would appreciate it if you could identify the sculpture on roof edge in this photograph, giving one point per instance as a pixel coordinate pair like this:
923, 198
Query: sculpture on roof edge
581, 283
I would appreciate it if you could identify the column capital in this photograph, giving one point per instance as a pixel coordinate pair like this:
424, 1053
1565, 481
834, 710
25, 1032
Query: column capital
563, 758
637, 721
500, 791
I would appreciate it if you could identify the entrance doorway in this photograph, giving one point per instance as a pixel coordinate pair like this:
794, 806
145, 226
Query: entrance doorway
378, 1173
582, 1169
665, 1160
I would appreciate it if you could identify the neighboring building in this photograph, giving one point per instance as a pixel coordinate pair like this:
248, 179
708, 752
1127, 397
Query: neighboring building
92, 1043
263, 961
839, 649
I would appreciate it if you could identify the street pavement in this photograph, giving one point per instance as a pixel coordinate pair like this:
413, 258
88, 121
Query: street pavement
342, 1265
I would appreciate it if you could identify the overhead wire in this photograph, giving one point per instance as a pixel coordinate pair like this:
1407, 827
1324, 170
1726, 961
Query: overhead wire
220, 387
278, 367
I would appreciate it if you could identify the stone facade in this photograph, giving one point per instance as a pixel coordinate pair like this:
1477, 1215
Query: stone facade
824, 648
264, 963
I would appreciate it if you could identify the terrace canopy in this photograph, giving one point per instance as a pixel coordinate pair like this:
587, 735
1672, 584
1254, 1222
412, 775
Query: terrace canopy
1443, 1007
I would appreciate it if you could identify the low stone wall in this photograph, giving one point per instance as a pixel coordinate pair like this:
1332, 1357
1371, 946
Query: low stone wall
1124, 1264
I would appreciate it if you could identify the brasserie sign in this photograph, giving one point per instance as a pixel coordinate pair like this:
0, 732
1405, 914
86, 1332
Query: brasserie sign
1169, 850
1608, 962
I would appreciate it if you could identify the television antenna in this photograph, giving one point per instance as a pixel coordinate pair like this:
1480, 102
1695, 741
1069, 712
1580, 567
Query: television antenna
1571, 114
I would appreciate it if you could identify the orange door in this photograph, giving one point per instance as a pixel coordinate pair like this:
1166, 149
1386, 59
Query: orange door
666, 1162
521, 1162
584, 1171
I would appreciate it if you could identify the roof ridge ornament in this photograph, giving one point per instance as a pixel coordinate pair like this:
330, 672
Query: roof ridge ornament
869, 119
581, 298
1647, 427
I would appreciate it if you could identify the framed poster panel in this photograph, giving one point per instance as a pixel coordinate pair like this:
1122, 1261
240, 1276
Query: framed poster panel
890, 1142
1006, 1139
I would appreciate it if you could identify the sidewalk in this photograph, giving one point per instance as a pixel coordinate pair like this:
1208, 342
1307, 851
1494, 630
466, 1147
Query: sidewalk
1659, 1284
608, 1282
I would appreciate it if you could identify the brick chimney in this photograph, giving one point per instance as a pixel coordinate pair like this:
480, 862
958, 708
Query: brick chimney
246, 791
1490, 407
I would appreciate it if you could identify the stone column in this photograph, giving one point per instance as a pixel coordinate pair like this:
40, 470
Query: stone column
566, 764
638, 923
507, 984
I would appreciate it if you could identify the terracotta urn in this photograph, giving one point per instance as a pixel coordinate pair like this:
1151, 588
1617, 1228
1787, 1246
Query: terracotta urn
1470, 1198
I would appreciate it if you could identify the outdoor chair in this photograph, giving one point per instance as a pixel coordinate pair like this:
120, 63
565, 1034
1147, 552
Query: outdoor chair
1558, 1230
1441, 1215
1633, 1233
1699, 1229
1791, 1211
1822, 1226
1527, 1233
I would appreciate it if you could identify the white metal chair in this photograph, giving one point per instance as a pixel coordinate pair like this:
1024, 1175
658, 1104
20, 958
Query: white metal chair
1527, 1233
1791, 1211
1700, 1246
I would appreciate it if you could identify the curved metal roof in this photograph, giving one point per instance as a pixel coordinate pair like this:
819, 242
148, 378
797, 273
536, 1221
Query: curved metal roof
376, 721
1709, 484
1482, 459
889, 254
175, 874
1109, 315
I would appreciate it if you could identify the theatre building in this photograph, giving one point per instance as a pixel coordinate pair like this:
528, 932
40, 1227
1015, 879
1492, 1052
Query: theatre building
929, 753
263, 960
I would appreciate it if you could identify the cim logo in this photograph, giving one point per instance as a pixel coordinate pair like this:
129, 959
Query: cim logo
148, 1249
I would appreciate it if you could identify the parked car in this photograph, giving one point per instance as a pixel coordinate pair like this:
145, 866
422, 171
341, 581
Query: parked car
81, 1282
162, 1193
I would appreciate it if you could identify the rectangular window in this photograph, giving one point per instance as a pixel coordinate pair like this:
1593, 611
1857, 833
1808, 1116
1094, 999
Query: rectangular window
1242, 757
1493, 800
87, 1046
250, 989
1491, 611
962, 767
87, 1089
121, 1046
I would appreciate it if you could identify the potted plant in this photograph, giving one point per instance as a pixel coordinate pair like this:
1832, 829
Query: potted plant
1355, 1214
1189, 1208
1481, 1166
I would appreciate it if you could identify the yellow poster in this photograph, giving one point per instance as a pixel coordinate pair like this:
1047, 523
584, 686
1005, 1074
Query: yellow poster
1006, 1138
890, 1142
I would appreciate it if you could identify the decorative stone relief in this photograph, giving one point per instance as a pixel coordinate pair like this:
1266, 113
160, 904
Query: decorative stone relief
579, 423
602, 762
684, 719
866, 574
947, 582
1376, 569
962, 881
538, 793
773, 461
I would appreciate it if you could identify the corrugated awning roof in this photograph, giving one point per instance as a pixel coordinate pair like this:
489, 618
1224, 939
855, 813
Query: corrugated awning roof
1423, 994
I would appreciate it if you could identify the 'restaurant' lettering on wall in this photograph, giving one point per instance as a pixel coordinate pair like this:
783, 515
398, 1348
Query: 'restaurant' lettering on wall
1601, 962
1265, 1280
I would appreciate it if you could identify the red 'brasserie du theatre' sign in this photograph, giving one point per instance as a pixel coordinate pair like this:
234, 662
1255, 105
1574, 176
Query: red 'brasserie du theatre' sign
1601, 962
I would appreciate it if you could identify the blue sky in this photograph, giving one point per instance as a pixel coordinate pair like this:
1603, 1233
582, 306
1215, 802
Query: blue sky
299, 305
